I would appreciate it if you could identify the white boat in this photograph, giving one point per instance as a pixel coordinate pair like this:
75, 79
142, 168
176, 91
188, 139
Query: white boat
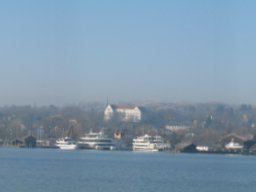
232, 145
96, 140
66, 143
149, 143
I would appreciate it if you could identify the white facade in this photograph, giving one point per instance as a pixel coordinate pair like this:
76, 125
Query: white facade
232, 145
175, 128
128, 114
149, 143
108, 113
202, 148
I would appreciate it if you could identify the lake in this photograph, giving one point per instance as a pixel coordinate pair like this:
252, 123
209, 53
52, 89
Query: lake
53, 170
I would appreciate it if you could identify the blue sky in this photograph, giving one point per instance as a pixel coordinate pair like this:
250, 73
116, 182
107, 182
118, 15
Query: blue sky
63, 51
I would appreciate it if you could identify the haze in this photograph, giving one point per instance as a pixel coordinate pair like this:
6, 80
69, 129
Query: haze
62, 51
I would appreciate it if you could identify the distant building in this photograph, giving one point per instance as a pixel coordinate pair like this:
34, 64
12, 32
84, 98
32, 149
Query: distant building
125, 113
186, 147
118, 135
109, 112
234, 142
232, 145
30, 142
176, 128
236, 138
202, 148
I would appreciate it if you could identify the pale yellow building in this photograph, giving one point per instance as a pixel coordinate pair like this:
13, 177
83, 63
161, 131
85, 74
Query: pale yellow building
126, 113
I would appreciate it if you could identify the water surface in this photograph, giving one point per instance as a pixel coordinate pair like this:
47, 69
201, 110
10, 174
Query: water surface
52, 170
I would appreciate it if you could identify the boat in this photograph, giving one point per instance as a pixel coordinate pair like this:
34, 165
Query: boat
66, 143
96, 140
149, 143
232, 145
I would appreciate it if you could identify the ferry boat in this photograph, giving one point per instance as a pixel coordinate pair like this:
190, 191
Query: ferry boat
149, 143
96, 140
66, 143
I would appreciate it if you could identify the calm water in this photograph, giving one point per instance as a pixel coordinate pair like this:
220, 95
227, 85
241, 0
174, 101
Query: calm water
65, 171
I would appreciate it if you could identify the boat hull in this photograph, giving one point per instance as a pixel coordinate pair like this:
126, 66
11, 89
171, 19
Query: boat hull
97, 141
67, 147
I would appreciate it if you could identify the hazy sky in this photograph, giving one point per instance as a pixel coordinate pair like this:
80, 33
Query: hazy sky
68, 51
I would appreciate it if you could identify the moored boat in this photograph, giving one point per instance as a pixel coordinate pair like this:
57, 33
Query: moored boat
96, 140
149, 143
66, 143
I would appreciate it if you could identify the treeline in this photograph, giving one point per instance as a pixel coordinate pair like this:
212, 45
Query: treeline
206, 123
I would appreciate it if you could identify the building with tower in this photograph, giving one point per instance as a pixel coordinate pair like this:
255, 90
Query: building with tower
126, 113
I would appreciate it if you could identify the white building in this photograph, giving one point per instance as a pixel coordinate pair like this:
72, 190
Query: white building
176, 128
126, 113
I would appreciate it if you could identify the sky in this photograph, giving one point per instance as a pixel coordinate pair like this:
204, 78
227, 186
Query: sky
77, 51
